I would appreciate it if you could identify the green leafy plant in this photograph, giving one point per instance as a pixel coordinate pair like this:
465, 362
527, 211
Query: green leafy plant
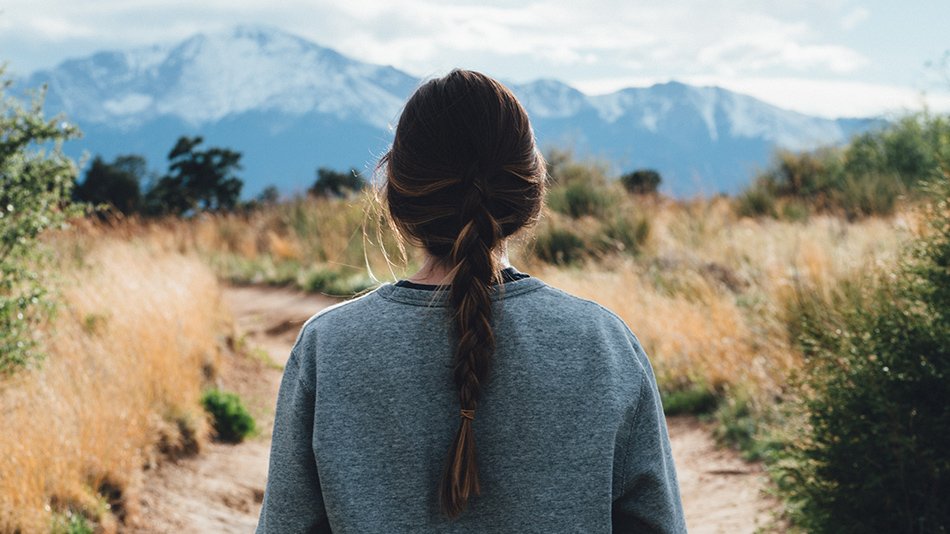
558, 245
70, 523
641, 181
757, 201
36, 182
337, 184
873, 455
696, 400
624, 233
230, 419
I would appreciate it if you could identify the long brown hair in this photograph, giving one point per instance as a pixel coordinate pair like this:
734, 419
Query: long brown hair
462, 175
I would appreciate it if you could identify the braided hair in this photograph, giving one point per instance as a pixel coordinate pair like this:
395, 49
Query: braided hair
462, 175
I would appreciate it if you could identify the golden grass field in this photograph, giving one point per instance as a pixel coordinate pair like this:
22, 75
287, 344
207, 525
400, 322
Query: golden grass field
140, 327
708, 292
137, 332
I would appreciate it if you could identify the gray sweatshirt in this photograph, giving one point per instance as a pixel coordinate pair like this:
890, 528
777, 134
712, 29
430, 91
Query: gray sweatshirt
570, 432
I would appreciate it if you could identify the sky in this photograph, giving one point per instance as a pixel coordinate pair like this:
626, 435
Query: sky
831, 58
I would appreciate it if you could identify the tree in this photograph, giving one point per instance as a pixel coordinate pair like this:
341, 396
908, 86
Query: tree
642, 181
36, 182
117, 183
339, 184
196, 180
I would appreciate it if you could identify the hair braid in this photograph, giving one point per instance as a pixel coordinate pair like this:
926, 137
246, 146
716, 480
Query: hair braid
475, 270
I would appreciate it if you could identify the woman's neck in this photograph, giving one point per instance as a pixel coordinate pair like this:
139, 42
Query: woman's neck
436, 272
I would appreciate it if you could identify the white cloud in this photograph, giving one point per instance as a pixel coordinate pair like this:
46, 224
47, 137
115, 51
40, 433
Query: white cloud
696, 36
855, 17
588, 43
60, 28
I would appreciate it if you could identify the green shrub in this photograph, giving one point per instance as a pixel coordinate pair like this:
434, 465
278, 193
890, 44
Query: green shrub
804, 174
696, 400
231, 420
336, 283
873, 456
579, 199
795, 210
870, 194
338, 184
558, 245
744, 426
864, 178
319, 279
641, 181
35, 188
624, 234
755, 202
70, 523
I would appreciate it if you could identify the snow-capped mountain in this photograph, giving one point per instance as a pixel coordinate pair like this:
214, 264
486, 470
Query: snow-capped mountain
290, 106
209, 77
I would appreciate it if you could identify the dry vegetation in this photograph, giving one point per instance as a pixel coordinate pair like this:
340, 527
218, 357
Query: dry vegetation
708, 292
135, 336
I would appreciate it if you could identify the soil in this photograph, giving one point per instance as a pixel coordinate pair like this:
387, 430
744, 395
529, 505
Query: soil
220, 490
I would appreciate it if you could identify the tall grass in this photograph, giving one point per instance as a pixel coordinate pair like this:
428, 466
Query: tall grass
706, 289
709, 296
135, 336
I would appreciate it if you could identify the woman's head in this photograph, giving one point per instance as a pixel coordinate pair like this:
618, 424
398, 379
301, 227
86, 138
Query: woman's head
463, 153
463, 174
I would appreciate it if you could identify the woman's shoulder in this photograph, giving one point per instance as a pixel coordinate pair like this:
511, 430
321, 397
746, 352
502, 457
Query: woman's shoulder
350, 313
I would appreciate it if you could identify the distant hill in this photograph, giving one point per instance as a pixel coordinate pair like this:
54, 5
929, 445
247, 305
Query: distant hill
290, 105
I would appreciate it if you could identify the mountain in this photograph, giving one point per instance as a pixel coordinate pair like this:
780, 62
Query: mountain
290, 106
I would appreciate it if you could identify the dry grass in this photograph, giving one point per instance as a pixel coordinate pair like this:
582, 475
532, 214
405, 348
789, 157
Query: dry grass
708, 292
132, 343
710, 295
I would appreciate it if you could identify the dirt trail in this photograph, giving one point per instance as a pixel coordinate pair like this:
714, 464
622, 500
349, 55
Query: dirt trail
221, 490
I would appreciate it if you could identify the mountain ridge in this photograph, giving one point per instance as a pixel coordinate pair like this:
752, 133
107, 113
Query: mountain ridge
254, 87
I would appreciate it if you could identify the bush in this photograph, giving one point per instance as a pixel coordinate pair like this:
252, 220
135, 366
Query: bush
579, 199
756, 201
641, 181
695, 400
336, 283
338, 184
70, 523
805, 174
874, 457
865, 178
795, 210
231, 420
871, 194
624, 234
558, 245
35, 188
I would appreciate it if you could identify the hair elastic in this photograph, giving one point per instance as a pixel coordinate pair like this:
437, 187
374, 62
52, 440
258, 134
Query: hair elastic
468, 414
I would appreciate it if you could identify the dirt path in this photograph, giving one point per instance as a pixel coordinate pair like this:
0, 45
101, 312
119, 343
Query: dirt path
221, 490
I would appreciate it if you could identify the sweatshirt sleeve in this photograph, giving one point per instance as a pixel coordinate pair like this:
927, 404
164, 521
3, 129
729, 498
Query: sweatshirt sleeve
292, 500
648, 498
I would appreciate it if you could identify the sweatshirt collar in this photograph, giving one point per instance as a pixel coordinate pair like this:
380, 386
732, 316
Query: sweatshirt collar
440, 297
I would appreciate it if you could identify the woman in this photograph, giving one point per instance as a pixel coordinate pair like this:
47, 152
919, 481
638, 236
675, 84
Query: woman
545, 403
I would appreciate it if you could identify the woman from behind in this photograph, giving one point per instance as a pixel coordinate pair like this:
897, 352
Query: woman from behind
470, 397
